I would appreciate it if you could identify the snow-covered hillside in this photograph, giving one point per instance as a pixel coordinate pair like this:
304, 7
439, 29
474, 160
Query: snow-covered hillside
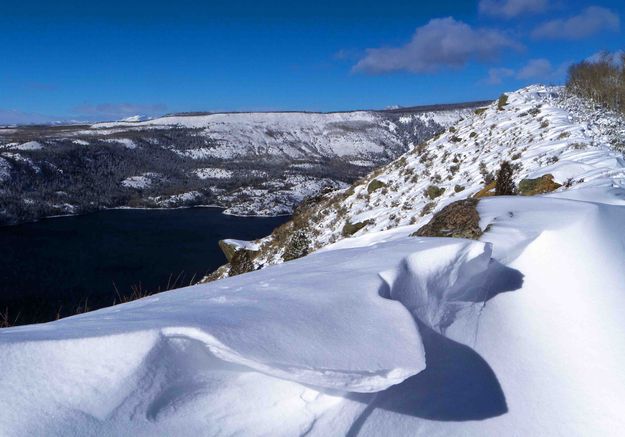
378, 332
362, 138
540, 130
248, 163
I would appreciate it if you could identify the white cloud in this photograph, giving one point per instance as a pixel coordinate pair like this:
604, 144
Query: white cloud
441, 43
539, 70
536, 69
512, 8
497, 75
591, 20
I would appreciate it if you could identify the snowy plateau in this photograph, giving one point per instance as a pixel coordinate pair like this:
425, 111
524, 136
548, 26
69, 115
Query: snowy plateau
519, 333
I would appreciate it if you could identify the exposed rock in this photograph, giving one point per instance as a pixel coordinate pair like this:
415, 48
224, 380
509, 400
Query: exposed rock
375, 185
220, 273
457, 220
541, 185
351, 228
502, 102
228, 249
242, 262
433, 191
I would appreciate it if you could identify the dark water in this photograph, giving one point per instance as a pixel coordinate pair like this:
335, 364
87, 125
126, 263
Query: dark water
58, 264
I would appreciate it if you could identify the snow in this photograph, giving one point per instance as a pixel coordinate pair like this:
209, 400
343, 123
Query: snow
541, 129
293, 135
30, 145
212, 173
5, 170
275, 197
142, 181
24, 159
312, 326
242, 244
556, 343
137, 182
177, 199
519, 333
134, 119
126, 142
362, 163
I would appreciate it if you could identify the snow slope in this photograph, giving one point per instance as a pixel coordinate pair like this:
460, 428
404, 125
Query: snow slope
541, 130
518, 335
316, 321
541, 352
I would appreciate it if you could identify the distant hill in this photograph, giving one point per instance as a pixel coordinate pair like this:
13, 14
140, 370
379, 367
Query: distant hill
249, 163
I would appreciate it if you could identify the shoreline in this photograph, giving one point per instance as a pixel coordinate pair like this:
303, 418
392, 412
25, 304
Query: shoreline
223, 208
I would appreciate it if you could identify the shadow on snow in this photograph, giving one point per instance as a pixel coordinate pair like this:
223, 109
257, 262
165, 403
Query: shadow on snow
457, 384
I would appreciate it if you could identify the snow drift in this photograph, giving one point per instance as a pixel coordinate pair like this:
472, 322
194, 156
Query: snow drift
326, 321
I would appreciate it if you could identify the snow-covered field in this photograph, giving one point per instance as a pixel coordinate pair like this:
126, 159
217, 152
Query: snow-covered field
518, 333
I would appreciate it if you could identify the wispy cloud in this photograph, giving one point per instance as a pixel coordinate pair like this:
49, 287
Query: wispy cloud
441, 43
512, 8
346, 55
11, 117
110, 111
534, 70
615, 58
497, 75
590, 21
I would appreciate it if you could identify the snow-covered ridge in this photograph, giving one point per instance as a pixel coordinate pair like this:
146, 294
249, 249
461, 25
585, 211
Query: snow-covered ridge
541, 130
293, 134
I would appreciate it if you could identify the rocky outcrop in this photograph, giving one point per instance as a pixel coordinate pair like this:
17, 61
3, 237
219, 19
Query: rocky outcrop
375, 185
541, 185
228, 249
351, 228
457, 220
242, 262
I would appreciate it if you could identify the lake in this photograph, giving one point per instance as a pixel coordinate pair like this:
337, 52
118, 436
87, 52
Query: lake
58, 264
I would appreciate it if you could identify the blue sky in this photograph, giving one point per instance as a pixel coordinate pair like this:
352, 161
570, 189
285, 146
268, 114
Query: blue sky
112, 59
